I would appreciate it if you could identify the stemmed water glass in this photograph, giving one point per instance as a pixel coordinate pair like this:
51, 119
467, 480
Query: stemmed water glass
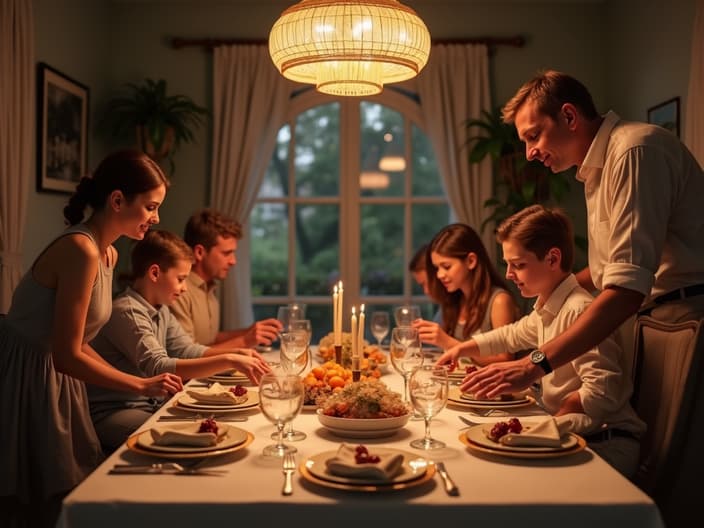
280, 399
428, 387
294, 356
406, 353
290, 312
379, 324
406, 314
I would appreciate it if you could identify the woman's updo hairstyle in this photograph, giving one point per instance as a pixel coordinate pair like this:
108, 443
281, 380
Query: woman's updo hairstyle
130, 171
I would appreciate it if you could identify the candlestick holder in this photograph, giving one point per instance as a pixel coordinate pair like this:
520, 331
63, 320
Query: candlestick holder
338, 354
356, 374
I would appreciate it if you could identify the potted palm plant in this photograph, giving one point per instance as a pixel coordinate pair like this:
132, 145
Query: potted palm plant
158, 122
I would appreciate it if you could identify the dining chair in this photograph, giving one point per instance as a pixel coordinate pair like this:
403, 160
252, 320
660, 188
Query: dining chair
669, 396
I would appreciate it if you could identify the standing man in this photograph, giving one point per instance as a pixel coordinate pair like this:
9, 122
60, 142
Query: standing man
643, 190
213, 238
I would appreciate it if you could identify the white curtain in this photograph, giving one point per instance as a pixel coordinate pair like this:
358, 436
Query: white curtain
16, 136
250, 100
453, 88
694, 112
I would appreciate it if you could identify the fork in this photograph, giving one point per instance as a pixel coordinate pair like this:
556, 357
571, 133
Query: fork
289, 467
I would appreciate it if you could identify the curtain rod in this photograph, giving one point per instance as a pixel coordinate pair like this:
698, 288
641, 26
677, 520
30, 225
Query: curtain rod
210, 43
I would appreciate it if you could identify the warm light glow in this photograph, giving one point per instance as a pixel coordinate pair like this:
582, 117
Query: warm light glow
349, 47
392, 163
374, 180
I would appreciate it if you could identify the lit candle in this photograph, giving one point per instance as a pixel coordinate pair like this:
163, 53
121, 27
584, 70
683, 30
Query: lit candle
360, 336
354, 333
335, 326
340, 306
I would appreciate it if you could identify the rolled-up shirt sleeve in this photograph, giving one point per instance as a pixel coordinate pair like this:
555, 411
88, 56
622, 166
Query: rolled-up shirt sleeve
509, 338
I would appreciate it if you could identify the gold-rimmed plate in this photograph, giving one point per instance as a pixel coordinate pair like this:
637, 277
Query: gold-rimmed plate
415, 471
132, 445
475, 439
455, 397
227, 378
187, 402
231, 436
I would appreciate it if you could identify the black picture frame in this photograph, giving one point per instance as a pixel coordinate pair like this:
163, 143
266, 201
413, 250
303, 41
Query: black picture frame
62, 130
666, 115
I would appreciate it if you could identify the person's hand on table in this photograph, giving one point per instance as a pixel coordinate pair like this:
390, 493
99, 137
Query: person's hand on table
253, 367
162, 385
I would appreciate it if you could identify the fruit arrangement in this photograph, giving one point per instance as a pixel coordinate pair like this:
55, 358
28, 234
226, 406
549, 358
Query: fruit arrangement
372, 358
209, 425
362, 456
503, 428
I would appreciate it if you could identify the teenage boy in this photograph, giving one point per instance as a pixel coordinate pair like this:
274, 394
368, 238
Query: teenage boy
590, 394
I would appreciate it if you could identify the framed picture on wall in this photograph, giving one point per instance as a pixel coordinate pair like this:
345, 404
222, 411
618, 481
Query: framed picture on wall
62, 130
666, 115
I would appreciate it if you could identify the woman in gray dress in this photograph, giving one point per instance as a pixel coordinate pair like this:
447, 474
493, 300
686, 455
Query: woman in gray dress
47, 441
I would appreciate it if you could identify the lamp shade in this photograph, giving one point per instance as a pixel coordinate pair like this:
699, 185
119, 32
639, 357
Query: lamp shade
349, 47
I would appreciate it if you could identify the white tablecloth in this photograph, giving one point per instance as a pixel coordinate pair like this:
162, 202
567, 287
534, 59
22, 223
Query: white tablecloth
580, 490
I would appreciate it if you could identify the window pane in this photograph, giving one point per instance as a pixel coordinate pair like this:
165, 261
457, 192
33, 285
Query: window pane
317, 161
428, 219
381, 141
269, 249
318, 248
382, 263
275, 182
426, 178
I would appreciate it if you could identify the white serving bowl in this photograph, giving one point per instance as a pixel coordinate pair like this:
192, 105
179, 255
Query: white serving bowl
385, 425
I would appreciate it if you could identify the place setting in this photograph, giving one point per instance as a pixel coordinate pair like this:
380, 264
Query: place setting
230, 377
522, 438
505, 401
360, 468
199, 439
217, 399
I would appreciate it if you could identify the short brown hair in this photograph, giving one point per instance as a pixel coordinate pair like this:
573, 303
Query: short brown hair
539, 229
158, 247
417, 262
551, 89
205, 226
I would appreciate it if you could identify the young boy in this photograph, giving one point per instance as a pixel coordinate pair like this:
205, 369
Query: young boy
591, 394
144, 339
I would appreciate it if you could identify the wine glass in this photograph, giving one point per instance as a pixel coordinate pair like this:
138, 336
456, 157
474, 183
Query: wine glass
406, 353
280, 400
406, 314
290, 312
379, 323
294, 356
428, 388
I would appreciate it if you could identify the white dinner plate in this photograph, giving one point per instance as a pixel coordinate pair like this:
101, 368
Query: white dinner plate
413, 467
232, 437
454, 396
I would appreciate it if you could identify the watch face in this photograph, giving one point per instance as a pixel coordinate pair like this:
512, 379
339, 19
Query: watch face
537, 356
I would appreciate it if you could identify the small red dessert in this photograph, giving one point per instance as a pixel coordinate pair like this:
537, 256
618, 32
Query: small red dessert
362, 456
503, 428
209, 425
238, 390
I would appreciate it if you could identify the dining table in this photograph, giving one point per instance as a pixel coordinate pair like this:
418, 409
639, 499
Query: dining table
244, 486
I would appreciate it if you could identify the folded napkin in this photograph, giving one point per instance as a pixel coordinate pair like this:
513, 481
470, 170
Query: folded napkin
542, 434
344, 464
217, 394
185, 436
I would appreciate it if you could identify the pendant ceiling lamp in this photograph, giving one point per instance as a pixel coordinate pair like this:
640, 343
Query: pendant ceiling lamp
349, 47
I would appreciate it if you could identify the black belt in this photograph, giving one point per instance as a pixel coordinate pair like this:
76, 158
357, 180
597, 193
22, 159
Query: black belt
681, 293
608, 434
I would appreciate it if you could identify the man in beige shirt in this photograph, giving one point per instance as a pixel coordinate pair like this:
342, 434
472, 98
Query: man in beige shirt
213, 238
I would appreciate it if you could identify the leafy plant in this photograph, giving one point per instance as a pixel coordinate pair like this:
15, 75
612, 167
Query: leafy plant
518, 182
159, 122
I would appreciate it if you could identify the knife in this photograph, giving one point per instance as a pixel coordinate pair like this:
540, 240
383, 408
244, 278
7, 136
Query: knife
450, 486
193, 419
161, 469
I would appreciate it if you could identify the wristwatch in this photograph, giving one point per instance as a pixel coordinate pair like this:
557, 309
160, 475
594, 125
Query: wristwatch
538, 357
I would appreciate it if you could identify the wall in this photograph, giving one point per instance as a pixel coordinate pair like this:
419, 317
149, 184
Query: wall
71, 36
631, 54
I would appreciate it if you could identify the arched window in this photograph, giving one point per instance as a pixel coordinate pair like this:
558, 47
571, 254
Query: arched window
355, 184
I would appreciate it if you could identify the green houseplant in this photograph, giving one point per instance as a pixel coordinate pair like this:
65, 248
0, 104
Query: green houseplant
159, 122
